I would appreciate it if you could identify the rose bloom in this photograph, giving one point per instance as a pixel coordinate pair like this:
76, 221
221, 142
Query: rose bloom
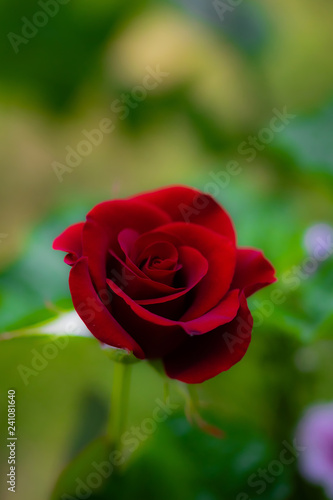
159, 274
315, 433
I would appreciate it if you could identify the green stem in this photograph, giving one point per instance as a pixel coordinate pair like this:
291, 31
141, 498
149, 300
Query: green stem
190, 395
193, 396
119, 403
166, 390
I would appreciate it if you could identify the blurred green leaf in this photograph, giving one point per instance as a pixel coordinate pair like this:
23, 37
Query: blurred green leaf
35, 288
74, 481
245, 24
308, 140
70, 46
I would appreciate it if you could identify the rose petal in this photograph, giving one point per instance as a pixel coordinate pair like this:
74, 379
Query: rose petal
104, 223
203, 357
94, 312
221, 257
155, 334
194, 268
137, 286
165, 276
70, 241
162, 249
223, 313
253, 271
187, 204
126, 240
166, 251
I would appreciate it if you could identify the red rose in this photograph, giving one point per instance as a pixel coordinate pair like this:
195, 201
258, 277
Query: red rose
146, 281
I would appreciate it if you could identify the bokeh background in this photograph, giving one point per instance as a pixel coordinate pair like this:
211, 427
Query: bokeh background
228, 70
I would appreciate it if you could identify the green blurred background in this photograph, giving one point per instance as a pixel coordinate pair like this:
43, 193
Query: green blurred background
229, 69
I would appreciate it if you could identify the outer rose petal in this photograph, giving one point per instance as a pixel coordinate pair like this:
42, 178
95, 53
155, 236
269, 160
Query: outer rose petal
156, 335
203, 357
70, 241
104, 223
184, 204
253, 271
94, 313
159, 336
223, 313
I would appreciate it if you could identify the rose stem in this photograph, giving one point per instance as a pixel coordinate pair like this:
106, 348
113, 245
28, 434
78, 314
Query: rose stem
119, 403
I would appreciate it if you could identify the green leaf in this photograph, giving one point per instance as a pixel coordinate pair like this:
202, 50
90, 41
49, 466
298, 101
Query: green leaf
308, 140
79, 476
246, 24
